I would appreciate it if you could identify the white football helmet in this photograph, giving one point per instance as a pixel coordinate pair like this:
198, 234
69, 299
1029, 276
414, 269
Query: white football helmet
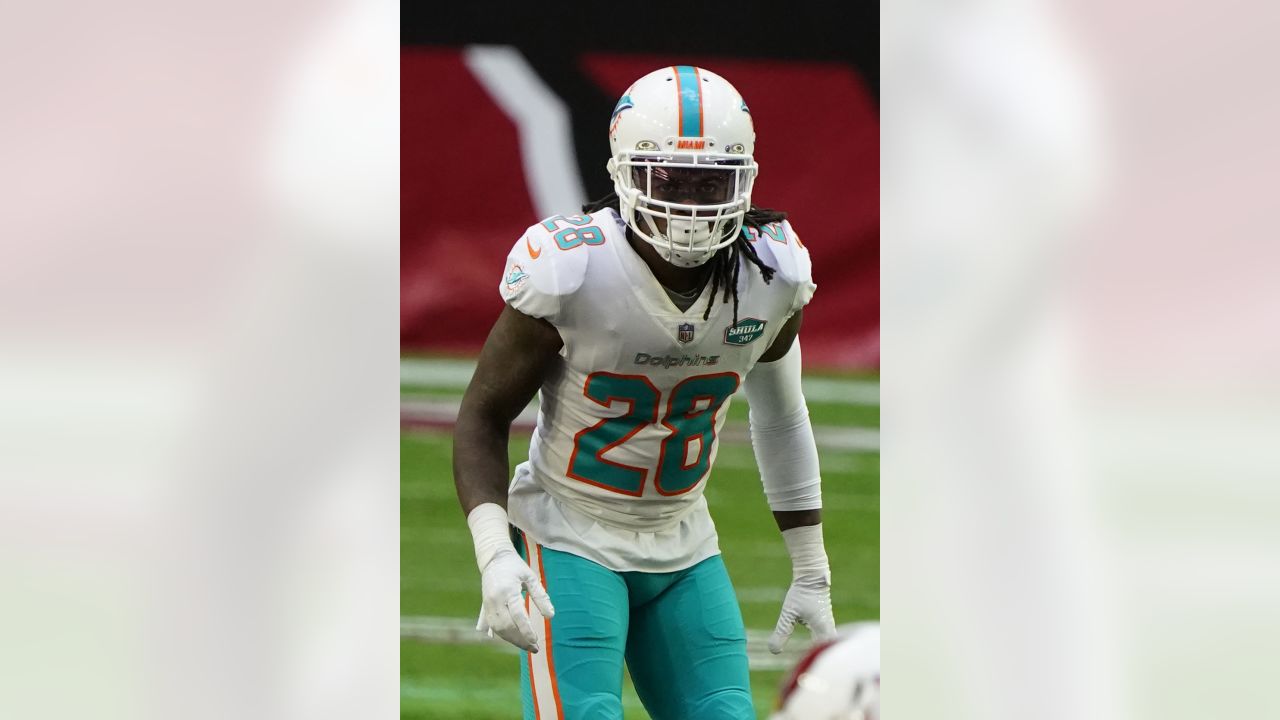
839, 680
682, 142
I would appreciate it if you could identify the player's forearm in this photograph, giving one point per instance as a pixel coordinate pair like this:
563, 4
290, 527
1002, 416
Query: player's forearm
782, 438
480, 471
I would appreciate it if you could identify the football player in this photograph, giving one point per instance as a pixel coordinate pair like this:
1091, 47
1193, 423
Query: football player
637, 321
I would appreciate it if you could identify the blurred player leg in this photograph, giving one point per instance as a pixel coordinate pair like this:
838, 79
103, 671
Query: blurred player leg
578, 673
687, 647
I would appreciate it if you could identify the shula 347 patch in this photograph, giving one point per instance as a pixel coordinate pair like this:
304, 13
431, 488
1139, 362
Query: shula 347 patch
744, 331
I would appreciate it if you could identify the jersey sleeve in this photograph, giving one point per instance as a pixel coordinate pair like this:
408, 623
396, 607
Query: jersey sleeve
540, 279
780, 247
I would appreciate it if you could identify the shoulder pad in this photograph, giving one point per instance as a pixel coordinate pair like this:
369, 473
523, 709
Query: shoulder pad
780, 248
541, 274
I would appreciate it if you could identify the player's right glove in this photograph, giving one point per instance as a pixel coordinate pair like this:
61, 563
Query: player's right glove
503, 576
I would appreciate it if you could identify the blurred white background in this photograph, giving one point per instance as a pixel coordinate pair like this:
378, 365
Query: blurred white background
1080, 434
199, 361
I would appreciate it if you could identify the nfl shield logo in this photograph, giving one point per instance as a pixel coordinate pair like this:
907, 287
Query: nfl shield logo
684, 332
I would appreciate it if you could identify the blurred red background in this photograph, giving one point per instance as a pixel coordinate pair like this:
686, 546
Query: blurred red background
465, 199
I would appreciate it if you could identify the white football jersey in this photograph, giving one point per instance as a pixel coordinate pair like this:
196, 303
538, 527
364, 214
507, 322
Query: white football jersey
630, 415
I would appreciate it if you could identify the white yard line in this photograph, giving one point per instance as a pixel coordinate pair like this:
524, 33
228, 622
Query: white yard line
846, 392
439, 412
832, 462
440, 373
462, 631
849, 439
445, 412
456, 374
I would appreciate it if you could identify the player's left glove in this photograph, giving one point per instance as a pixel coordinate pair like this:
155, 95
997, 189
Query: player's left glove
808, 600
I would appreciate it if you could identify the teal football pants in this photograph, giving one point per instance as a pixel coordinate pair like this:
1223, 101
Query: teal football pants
680, 633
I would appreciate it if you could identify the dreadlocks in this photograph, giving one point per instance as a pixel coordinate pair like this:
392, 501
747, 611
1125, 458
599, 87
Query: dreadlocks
724, 264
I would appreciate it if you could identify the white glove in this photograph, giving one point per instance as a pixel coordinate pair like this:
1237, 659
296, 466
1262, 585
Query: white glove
808, 600
503, 575
503, 610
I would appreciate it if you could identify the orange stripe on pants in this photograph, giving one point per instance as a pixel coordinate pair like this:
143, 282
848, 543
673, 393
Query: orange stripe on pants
551, 662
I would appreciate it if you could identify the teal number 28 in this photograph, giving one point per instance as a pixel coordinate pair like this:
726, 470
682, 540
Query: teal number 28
579, 232
690, 416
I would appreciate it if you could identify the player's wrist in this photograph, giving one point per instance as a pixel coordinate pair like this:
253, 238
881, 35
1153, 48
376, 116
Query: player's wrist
807, 551
490, 533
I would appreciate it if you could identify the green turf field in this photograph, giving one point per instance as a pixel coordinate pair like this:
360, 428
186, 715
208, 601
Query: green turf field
446, 674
